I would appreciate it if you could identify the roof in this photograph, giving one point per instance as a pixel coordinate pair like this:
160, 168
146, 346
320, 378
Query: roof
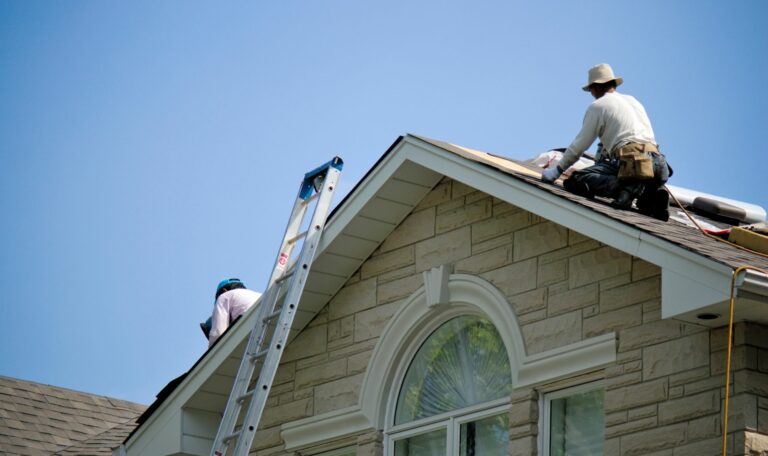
695, 268
677, 233
37, 419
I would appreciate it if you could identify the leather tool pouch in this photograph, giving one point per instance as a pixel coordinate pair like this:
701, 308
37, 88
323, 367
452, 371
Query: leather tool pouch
636, 162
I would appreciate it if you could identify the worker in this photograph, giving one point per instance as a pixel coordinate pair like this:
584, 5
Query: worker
628, 164
232, 300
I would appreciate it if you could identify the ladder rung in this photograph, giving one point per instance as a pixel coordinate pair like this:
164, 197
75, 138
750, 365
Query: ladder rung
232, 436
311, 198
272, 315
245, 396
285, 276
297, 237
258, 355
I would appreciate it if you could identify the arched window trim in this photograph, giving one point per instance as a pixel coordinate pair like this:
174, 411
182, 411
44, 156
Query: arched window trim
415, 321
467, 294
400, 333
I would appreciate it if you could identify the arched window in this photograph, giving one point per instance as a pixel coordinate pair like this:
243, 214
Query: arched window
454, 397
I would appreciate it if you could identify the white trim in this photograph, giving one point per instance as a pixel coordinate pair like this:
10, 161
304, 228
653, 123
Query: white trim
412, 323
436, 285
451, 421
472, 410
320, 428
545, 403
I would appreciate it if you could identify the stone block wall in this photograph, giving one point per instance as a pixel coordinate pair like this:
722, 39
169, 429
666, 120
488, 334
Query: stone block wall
663, 395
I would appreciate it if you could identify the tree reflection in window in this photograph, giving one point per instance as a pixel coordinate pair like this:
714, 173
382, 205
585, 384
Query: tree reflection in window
463, 363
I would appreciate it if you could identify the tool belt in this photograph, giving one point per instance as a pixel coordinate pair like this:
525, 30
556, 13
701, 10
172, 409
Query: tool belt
636, 161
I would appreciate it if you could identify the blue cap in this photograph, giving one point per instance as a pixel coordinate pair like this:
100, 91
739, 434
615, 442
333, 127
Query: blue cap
228, 283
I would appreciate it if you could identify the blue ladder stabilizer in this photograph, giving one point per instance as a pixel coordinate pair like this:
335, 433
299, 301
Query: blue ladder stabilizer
308, 185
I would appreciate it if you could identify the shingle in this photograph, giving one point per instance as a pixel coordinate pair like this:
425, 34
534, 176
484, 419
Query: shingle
38, 419
684, 236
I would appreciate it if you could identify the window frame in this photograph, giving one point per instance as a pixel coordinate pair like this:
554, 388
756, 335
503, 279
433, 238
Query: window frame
452, 420
545, 404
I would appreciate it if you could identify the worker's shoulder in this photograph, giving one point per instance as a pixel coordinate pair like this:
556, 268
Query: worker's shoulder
613, 100
245, 293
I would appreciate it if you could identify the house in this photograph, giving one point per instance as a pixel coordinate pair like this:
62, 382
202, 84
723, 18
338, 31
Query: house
38, 419
459, 306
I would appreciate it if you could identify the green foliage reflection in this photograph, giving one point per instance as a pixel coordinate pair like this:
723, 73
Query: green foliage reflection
464, 362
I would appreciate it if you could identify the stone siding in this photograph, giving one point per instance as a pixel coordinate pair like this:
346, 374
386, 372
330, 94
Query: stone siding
663, 395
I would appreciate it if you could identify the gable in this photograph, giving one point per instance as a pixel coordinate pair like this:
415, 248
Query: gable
369, 235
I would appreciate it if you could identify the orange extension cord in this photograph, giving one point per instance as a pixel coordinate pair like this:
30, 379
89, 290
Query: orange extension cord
730, 315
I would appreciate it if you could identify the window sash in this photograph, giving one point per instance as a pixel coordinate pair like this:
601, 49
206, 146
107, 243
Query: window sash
450, 421
545, 421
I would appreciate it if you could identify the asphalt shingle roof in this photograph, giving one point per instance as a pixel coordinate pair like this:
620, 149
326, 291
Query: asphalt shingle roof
37, 419
677, 233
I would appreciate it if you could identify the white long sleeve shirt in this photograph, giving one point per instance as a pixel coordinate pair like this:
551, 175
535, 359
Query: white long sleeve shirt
228, 307
617, 119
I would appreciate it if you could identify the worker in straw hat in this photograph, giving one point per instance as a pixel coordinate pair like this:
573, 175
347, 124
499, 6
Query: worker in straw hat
232, 301
628, 164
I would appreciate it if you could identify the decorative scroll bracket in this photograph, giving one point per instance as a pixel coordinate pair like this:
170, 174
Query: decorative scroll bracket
436, 285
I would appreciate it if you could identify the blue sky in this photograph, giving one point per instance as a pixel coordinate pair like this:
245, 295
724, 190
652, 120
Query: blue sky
150, 149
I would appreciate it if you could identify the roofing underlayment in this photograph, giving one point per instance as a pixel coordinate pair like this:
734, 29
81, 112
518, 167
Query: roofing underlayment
37, 419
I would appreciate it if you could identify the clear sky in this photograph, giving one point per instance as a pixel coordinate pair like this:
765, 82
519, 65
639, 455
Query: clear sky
150, 149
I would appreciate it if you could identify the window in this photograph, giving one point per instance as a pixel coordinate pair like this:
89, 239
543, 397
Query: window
455, 394
574, 422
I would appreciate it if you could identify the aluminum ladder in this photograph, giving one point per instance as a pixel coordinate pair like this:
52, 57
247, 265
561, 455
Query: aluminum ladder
275, 316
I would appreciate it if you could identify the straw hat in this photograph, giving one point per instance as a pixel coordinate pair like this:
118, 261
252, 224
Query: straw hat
600, 74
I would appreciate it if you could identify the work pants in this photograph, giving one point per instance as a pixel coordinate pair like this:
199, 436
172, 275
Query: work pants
601, 179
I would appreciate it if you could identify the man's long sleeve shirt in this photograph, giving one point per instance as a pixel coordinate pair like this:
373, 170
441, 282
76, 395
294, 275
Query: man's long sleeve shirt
617, 119
228, 307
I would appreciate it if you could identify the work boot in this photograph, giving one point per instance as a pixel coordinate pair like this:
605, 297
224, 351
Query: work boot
655, 204
578, 187
624, 200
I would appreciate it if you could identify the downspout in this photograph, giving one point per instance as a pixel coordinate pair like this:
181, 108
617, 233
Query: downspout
754, 280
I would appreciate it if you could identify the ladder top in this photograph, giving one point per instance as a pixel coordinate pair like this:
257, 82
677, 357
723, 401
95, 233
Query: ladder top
308, 184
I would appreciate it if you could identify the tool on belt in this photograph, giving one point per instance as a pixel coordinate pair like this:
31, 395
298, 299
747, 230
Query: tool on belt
636, 161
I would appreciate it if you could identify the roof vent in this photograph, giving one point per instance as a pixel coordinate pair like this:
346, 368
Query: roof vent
719, 210
686, 197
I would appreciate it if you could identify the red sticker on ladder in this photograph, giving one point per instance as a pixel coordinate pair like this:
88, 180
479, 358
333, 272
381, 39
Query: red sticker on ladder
282, 260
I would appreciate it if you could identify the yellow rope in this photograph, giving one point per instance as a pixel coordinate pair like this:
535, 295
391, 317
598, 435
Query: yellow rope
730, 348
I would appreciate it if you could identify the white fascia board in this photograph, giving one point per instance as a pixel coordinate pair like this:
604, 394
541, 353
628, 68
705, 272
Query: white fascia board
170, 409
361, 196
166, 438
692, 267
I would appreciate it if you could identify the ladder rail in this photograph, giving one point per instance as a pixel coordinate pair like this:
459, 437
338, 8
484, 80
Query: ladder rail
262, 354
282, 332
